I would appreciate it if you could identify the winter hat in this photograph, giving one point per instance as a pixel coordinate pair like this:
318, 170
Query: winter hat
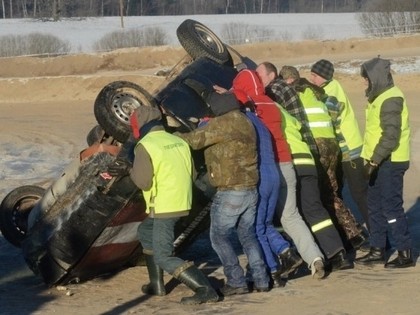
141, 116
222, 103
289, 72
323, 68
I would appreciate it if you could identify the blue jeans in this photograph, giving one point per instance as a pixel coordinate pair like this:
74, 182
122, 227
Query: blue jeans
385, 203
231, 211
157, 238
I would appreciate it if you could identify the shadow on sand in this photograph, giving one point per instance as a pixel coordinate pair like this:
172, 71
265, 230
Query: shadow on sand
26, 293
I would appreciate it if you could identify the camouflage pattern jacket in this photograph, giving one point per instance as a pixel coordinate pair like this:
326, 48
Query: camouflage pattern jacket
230, 152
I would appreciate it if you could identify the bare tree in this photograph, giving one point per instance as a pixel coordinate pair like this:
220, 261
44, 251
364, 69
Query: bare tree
122, 13
3, 9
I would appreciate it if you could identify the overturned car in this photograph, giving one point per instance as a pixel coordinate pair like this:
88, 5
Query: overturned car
85, 223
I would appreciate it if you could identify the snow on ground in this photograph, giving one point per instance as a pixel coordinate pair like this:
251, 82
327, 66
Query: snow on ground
83, 32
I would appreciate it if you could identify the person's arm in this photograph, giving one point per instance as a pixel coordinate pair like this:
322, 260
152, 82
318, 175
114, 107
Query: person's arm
142, 172
205, 136
390, 120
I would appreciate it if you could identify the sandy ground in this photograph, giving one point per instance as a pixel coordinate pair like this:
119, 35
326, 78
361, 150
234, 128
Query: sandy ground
47, 107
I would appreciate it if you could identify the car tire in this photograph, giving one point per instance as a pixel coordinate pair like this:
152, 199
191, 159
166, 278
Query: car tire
114, 105
14, 212
199, 41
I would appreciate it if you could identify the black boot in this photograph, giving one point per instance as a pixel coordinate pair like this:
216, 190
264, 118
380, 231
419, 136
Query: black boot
193, 278
376, 255
156, 285
290, 261
358, 241
403, 260
340, 262
277, 280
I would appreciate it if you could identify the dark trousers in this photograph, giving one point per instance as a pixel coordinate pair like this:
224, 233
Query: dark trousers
328, 158
385, 203
157, 238
353, 173
314, 212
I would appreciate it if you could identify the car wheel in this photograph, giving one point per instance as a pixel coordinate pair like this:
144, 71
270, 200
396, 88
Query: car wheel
95, 135
199, 41
14, 212
114, 105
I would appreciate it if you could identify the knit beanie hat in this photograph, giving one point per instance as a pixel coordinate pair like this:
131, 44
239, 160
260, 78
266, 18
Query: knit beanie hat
323, 68
222, 103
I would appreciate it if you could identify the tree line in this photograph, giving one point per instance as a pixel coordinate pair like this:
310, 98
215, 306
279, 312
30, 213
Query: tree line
56, 9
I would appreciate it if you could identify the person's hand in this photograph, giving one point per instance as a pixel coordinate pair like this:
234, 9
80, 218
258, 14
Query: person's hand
219, 89
203, 121
370, 168
119, 167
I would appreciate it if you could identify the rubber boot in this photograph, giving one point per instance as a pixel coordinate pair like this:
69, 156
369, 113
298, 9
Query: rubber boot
340, 262
357, 241
278, 281
193, 278
403, 260
290, 261
156, 285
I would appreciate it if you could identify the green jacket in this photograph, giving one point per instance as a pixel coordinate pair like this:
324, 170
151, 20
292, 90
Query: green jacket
230, 151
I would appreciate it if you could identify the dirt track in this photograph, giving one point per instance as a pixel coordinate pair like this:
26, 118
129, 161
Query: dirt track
46, 107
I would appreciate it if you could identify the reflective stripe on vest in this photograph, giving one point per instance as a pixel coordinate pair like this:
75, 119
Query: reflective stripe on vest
301, 154
319, 119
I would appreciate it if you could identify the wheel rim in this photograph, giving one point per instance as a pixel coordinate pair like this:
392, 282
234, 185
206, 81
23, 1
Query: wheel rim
123, 106
21, 212
209, 39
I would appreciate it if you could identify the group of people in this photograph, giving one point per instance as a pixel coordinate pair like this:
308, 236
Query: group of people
277, 146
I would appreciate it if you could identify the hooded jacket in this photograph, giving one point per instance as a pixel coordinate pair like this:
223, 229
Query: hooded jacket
387, 131
266, 109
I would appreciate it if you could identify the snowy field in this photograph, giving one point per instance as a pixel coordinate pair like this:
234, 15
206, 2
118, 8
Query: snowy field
82, 33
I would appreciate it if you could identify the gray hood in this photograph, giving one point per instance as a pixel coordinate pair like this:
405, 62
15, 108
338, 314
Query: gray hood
378, 72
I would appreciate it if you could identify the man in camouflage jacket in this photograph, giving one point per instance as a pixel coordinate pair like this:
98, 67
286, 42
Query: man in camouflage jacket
230, 152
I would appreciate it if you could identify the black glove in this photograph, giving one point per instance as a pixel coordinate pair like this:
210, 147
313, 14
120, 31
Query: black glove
119, 167
370, 168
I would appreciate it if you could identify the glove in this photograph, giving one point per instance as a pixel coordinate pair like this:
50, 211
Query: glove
119, 167
370, 168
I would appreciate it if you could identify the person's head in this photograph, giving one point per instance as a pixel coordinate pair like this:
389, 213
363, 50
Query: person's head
289, 74
321, 72
143, 115
267, 72
377, 75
